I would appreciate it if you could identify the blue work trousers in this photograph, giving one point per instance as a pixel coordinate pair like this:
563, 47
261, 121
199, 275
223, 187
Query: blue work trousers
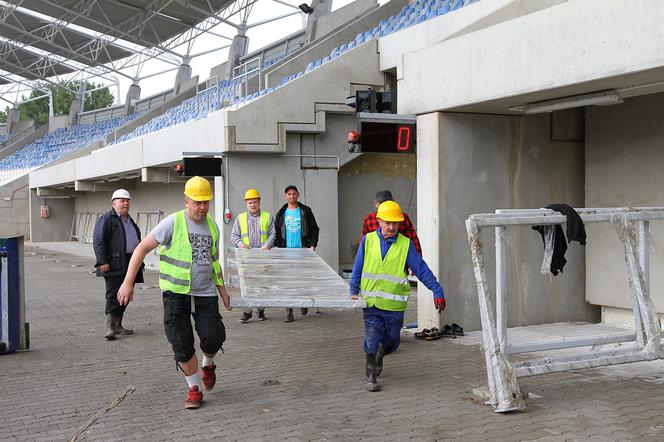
382, 327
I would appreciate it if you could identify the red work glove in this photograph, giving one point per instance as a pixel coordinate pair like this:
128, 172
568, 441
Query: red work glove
439, 303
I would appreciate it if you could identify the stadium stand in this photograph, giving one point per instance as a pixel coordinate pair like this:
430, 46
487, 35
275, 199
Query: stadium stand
221, 95
56, 145
224, 93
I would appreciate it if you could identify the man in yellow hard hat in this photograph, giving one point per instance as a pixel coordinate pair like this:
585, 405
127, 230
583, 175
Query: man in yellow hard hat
190, 278
379, 276
253, 229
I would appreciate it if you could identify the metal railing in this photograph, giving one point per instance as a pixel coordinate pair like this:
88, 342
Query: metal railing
504, 393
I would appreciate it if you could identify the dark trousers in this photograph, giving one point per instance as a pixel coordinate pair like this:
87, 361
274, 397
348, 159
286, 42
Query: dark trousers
177, 324
113, 284
382, 327
112, 305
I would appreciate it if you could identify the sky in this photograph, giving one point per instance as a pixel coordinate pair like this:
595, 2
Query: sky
258, 37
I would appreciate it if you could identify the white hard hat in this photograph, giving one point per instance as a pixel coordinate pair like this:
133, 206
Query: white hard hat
121, 193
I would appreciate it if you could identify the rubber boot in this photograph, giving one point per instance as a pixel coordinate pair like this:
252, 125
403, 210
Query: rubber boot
110, 322
371, 383
379, 360
119, 329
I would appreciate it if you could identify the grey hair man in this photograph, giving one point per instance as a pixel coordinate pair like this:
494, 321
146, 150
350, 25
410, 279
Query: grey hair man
115, 237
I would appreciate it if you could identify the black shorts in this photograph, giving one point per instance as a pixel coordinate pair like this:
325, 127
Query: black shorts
177, 324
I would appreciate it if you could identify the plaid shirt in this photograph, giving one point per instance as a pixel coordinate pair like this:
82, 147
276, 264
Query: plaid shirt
406, 228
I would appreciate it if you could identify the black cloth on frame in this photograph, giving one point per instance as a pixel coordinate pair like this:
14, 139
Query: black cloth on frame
576, 231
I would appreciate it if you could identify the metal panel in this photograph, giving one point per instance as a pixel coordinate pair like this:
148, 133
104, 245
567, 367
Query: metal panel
289, 278
64, 43
102, 16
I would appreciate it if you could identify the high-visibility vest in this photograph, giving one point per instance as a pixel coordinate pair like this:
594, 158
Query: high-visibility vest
243, 221
175, 260
384, 283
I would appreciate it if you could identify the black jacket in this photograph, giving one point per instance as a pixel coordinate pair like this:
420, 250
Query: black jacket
110, 245
309, 227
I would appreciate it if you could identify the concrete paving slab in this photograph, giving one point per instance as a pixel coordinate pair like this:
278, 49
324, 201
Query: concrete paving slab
297, 381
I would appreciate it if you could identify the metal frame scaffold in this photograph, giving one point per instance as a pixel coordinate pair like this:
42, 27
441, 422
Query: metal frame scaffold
504, 392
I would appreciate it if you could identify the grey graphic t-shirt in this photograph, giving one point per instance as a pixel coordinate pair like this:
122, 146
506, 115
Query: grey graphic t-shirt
201, 243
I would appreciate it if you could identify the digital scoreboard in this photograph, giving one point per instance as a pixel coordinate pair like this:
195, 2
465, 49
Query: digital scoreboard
383, 133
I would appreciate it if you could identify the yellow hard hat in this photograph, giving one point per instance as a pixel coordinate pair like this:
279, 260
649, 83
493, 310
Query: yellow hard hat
251, 194
198, 189
389, 211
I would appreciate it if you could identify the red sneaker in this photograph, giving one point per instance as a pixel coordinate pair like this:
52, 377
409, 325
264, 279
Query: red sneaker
209, 378
194, 398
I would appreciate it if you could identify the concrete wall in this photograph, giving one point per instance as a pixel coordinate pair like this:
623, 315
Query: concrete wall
517, 61
322, 47
623, 162
56, 227
14, 208
338, 18
359, 180
22, 141
478, 163
58, 122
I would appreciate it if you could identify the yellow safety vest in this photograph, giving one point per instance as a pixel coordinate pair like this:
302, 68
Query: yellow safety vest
175, 261
384, 283
243, 221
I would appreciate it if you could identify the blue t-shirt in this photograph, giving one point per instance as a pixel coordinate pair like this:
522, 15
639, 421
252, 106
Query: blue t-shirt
293, 221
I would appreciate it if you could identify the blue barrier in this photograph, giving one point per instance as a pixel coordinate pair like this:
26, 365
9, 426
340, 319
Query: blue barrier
13, 330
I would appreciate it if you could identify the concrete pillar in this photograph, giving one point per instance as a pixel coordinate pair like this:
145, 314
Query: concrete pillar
76, 106
428, 210
183, 74
13, 117
237, 50
133, 95
320, 8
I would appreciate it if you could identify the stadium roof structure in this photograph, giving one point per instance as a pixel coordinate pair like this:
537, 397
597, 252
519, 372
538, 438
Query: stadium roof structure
41, 40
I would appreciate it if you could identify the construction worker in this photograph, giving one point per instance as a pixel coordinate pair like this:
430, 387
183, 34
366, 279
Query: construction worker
115, 237
379, 276
406, 227
253, 229
189, 277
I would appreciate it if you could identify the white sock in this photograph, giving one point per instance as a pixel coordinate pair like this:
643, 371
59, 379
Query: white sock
207, 362
194, 379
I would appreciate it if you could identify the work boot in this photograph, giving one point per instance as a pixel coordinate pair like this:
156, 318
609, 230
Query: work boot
289, 315
304, 311
261, 315
110, 323
194, 398
208, 377
372, 382
245, 317
379, 360
119, 329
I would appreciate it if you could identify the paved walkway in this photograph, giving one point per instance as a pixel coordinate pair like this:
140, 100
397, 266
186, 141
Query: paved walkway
278, 381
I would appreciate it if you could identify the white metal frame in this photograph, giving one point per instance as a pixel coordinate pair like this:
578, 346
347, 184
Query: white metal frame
504, 393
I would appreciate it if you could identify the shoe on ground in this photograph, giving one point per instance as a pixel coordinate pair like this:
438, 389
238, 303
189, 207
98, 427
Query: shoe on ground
245, 317
194, 398
120, 330
110, 323
208, 377
379, 360
371, 383
304, 311
261, 315
289, 316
